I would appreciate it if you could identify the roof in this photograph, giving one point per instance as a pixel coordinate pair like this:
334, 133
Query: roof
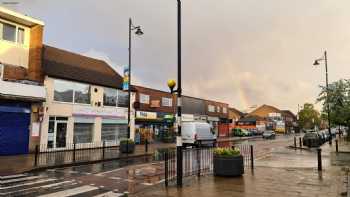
63, 64
250, 119
19, 18
236, 111
288, 113
263, 110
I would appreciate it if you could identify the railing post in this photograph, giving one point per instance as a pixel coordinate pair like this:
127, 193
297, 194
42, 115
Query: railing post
199, 162
36, 155
166, 163
146, 145
252, 156
300, 143
295, 142
336, 146
319, 159
74, 149
103, 150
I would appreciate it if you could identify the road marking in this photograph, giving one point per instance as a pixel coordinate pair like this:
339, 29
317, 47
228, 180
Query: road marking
56, 184
110, 194
103, 173
26, 184
12, 176
115, 178
148, 184
71, 192
20, 179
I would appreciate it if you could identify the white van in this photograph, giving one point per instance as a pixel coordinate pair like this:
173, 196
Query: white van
196, 133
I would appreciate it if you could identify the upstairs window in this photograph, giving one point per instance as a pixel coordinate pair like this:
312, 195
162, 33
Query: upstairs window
144, 98
167, 102
224, 110
9, 32
123, 99
20, 35
115, 98
1, 71
218, 109
70, 92
211, 108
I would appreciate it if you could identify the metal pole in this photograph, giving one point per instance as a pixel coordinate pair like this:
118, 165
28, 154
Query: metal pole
166, 159
295, 142
319, 159
336, 146
129, 76
300, 143
36, 155
328, 108
252, 156
179, 92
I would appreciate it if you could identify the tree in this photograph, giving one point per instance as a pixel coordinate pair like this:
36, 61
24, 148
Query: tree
309, 117
339, 102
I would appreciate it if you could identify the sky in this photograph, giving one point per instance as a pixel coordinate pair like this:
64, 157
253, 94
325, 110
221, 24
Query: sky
242, 52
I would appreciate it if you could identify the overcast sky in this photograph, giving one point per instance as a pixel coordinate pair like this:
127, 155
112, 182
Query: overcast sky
243, 52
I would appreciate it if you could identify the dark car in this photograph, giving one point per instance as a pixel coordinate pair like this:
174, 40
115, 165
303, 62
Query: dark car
312, 139
322, 136
269, 135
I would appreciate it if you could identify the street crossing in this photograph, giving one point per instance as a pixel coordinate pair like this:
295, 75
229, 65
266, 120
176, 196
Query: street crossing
45, 186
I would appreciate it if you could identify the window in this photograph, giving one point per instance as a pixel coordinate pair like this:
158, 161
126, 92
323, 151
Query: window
81, 93
167, 102
123, 99
20, 35
113, 132
83, 132
211, 108
63, 91
8, 32
1, 71
144, 98
110, 97
224, 110
218, 109
66, 91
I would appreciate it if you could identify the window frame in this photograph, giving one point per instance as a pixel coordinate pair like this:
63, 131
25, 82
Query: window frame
73, 89
17, 26
1, 71
211, 107
169, 100
146, 95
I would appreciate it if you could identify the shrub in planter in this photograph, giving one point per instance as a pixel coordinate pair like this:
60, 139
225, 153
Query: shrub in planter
228, 162
127, 146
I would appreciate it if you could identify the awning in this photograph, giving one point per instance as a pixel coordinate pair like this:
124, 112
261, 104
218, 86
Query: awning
21, 91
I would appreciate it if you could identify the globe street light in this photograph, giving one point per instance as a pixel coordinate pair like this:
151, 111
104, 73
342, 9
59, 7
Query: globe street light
138, 32
316, 63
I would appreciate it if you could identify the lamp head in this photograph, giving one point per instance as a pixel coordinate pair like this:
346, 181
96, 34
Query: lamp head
171, 84
316, 63
139, 32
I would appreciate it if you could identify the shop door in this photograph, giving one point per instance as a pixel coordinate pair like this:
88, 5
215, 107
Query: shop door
57, 132
14, 133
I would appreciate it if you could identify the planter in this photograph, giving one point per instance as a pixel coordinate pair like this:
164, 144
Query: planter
127, 148
228, 165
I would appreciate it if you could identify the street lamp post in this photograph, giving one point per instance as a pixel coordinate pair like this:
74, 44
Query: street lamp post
138, 32
316, 63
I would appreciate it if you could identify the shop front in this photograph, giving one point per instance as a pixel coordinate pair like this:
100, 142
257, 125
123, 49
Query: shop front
154, 126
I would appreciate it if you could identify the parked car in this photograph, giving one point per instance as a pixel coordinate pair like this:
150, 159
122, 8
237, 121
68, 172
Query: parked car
197, 133
246, 133
269, 135
239, 132
322, 136
311, 139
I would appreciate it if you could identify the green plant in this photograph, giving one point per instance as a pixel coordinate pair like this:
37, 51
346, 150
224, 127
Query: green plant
127, 141
227, 151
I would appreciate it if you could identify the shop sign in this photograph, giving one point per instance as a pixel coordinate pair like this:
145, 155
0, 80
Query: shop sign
146, 115
187, 117
210, 118
111, 112
126, 78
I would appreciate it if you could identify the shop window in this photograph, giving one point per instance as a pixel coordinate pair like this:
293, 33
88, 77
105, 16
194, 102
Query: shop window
66, 91
83, 132
167, 102
211, 108
144, 98
113, 132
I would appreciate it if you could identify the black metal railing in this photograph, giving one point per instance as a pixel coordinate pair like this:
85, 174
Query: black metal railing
199, 161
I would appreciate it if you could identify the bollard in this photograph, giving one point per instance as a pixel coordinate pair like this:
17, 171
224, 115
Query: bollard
300, 143
295, 142
74, 149
36, 155
103, 150
336, 146
319, 159
252, 156
146, 145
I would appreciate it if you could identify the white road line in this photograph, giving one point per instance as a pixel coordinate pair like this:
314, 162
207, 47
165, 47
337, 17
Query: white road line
56, 184
115, 178
109, 194
71, 192
103, 173
26, 184
20, 179
147, 184
12, 176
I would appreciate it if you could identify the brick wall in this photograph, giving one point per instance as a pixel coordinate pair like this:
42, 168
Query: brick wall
35, 71
216, 104
13, 73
